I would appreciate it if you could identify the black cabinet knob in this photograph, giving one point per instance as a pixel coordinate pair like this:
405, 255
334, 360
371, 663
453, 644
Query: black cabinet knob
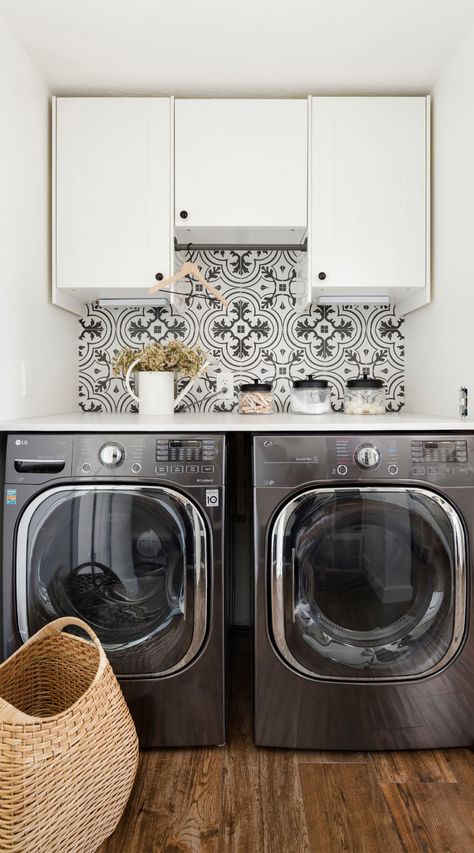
159, 276
183, 214
322, 276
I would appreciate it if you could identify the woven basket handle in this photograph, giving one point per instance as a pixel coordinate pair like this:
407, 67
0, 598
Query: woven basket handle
10, 714
58, 625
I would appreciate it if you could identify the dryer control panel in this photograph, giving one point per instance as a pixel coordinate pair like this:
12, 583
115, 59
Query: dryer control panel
293, 460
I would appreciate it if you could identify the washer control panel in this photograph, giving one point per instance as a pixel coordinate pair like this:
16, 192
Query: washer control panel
293, 460
196, 460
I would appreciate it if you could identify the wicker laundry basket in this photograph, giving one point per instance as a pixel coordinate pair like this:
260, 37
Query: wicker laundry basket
68, 745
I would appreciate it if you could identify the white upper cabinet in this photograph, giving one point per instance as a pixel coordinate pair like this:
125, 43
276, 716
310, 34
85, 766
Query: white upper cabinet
370, 197
241, 171
112, 183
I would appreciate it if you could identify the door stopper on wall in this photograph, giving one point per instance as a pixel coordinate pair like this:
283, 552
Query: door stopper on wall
189, 269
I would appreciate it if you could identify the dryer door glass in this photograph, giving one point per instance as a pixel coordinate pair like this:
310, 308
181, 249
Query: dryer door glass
129, 561
368, 583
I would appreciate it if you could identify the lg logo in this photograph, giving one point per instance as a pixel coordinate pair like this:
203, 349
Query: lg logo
21, 441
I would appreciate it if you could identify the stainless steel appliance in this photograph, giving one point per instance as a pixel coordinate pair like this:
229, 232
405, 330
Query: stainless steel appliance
363, 592
127, 532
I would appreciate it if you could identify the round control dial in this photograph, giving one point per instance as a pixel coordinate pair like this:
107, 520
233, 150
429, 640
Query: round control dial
367, 456
111, 455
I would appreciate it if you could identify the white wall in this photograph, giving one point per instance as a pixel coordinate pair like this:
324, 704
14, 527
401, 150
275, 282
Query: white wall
440, 337
32, 330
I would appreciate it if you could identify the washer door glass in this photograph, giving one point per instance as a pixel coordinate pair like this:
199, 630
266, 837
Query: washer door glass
129, 561
368, 583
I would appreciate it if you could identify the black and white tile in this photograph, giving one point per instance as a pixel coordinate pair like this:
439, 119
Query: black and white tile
267, 332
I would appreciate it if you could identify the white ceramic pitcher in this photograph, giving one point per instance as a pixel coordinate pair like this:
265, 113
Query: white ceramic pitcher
156, 390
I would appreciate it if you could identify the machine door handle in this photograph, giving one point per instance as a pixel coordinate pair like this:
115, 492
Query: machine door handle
294, 569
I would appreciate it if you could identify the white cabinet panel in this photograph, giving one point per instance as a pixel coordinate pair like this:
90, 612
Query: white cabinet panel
241, 170
112, 199
369, 216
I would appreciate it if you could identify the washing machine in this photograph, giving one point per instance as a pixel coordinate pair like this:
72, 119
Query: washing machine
126, 532
363, 591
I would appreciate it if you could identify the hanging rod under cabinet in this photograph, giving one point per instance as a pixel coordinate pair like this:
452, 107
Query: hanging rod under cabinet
253, 247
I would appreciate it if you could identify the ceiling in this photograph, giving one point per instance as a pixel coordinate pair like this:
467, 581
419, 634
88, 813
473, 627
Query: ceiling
239, 47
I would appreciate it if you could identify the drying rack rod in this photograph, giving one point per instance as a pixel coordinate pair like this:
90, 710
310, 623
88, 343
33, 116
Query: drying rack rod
208, 247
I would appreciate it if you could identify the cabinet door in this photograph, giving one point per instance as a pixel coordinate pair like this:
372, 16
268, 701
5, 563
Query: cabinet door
112, 198
369, 193
241, 170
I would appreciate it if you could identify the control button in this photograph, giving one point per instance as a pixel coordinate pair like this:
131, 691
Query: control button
207, 469
192, 469
448, 469
111, 455
136, 467
418, 469
432, 469
177, 469
342, 470
161, 469
393, 469
86, 467
367, 456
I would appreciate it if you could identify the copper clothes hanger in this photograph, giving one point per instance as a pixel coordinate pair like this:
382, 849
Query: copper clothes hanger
193, 270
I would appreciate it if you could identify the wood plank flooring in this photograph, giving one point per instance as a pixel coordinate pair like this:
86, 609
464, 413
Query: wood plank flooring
243, 799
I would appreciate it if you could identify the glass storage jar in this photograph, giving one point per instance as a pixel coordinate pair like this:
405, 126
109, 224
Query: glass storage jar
311, 396
364, 396
256, 398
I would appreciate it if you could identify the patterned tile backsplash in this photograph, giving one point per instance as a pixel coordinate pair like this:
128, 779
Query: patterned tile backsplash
268, 332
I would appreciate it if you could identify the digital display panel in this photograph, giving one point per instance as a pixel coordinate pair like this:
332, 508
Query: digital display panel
185, 443
438, 445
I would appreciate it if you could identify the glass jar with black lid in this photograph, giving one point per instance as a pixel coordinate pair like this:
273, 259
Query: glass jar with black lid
364, 396
310, 396
256, 398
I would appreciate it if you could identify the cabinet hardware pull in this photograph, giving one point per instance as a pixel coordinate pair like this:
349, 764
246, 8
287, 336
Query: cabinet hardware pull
322, 276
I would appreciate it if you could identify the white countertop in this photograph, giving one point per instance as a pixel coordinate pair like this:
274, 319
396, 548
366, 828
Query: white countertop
222, 423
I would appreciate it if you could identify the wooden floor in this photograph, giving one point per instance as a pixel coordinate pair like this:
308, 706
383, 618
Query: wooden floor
251, 800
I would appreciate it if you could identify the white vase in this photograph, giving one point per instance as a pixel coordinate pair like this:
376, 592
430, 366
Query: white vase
155, 393
155, 390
